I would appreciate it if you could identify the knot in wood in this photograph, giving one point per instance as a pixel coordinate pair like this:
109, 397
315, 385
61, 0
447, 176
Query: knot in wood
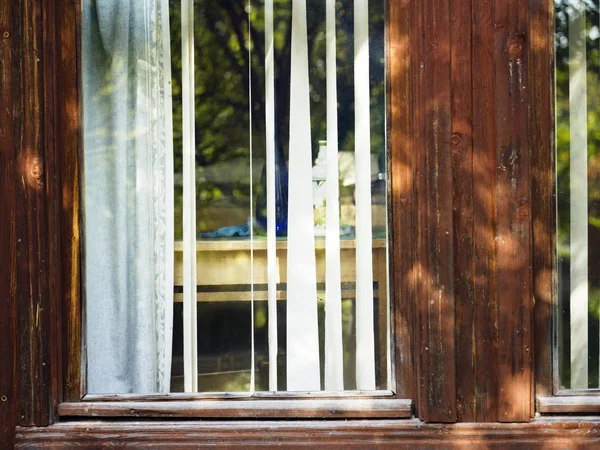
523, 208
36, 169
515, 46
456, 139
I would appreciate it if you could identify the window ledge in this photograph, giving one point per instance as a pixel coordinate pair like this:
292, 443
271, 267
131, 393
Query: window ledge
244, 409
545, 433
569, 404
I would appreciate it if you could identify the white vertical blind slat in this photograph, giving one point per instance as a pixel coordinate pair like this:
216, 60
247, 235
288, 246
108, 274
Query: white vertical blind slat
251, 156
365, 336
334, 361
579, 196
303, 373
190, 353
271, 223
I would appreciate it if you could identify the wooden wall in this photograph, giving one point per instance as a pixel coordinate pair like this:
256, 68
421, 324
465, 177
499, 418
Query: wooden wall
25, 245
470, 141
465, 195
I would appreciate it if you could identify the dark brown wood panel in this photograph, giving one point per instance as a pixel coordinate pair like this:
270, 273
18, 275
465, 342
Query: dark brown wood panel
579, 433
53, 189
306, 408
239, 396
69, 141
433, 132
462, 174
581, 404
485, 308
402, 184
541, 139
513, 196
470, 135
8, 317
29, 165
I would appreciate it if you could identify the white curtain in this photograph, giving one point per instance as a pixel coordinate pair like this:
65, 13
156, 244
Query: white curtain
128, 194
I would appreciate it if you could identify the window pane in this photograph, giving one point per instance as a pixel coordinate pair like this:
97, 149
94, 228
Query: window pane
225, 251
578, 191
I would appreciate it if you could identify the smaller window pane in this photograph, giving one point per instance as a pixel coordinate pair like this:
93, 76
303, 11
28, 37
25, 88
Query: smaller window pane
578, 191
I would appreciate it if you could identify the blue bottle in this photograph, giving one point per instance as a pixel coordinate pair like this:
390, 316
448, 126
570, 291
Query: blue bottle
281, 194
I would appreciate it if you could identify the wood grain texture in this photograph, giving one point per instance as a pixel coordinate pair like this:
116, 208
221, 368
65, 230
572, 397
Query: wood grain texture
403, 265
513, 196
32, 286
239, 396
462, 210
53, 189
581, 404
69, 130
8, 317
469, 87
283, 408
576, 392
485, 301
541, 142
386, 434
432, 133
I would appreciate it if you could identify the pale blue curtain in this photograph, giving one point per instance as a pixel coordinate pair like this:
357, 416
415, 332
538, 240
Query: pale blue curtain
128, 195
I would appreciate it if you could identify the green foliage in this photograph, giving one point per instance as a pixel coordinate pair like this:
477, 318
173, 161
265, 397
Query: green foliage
230, 82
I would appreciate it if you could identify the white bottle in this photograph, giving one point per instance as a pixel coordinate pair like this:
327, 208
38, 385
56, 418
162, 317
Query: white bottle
319, 175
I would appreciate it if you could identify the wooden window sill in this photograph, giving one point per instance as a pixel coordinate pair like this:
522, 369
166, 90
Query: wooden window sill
564, 404
544, 433
373, 408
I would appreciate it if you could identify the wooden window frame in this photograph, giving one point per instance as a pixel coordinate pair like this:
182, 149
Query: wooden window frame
74, 402
460, 118
550, 398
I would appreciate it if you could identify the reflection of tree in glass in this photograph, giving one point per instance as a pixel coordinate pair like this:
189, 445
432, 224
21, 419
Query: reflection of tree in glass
222, 69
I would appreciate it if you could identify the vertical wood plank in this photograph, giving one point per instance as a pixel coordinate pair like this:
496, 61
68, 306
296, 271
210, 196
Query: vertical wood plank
402, 185
418, 131
32, 308
485, 317
541, 142
31, 220
8, 328
53, 189
462, 174
68, 140
513, 212
435, 227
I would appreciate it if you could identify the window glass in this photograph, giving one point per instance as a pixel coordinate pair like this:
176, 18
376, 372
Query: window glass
235, 196
578, 191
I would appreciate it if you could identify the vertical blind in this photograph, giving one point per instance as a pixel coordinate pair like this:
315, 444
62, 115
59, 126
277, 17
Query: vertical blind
579, 200
302, 330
